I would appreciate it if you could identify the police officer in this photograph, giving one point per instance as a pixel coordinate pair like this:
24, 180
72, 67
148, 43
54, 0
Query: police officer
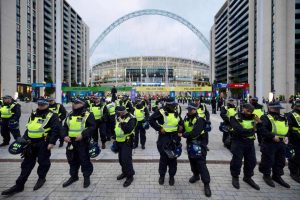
126, 102
110, 126
141, 113
10, 113
273, 146
42, 133
62, 113
154, 104
99, 109
227, 112
244, 126
203, 113
195, 134
167, 122
78, 130
124, 133
258, 111
294, 141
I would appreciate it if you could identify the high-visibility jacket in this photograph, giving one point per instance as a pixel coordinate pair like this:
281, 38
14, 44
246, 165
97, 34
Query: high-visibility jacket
111, 108
55, 109
279, 128
297, 118
139, 114
247, 124
230, 112
77, 124
120, 135
189, 124
201, 112
170, 121
6, 111
258, 112
36, 127
97, 111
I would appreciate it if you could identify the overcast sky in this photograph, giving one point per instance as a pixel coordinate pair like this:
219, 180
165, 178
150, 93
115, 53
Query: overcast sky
148, 35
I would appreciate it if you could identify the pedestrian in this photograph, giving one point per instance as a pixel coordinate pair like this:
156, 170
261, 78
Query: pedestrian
41, 135
195, 138
10, 113
78, 130
124, 133
167, 122
273, 146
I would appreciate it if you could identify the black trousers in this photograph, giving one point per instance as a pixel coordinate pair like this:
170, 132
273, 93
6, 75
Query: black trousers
5, 131
294, 163
39, 153
100, 128
79, 157
110, 127
272, 158
164, 160
198, 166
214, 109
140, 131
242, 149
125, 157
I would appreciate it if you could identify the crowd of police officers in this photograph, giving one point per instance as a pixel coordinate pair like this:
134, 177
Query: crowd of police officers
124, 123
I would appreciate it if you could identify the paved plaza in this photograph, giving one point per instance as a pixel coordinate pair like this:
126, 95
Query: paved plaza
145, 186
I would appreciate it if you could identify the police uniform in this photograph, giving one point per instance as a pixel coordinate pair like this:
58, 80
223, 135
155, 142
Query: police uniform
124, 133
294, 141
169, 120
79, 122
273, 153
10, 115
204, 113
110, 126
227, 112
42, 129
141, 114
258, 111
127, 104
101, 116
60, 110
195, 135
242, 146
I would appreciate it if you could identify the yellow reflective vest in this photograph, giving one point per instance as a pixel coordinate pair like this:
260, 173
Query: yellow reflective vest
139, 114
258, 112
36, 127
111, 108
6, 111
279, 128
230, 112
97, 111
247, 124
55, 109
188, 125
297, 118
77, 124
120, 135
170, 121
201, 112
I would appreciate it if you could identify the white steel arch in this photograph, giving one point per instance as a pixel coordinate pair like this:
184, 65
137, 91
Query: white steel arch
148, 12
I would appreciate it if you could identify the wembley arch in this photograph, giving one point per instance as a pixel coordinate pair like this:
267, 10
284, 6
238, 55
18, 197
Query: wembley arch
148, 12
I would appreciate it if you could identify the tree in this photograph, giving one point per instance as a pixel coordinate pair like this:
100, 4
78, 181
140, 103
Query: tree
50, 90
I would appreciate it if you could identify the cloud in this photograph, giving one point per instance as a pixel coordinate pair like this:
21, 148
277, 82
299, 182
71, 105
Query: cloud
148, 35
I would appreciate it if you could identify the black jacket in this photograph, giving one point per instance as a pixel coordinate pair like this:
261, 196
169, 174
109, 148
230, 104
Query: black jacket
223, 113
62, 111
105, 112
266, 132
90, 124
16, 110
294, 136
127, 127
198, 127
53, 123
157, 119
238, 131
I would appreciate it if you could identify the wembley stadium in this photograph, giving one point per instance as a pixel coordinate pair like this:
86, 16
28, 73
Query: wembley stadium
150, 70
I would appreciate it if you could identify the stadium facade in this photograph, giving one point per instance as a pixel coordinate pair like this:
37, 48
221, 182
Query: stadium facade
150, 70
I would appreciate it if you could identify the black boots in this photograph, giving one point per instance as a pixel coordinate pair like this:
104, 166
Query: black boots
268, 180
280, 181
171, 180
235, 182
295, 177
121, 176
194, 179
70, 181
207, 190
128, 181
103, 145
13, 190
4, 144
86, 182
40, 182
251, 182
161, 180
